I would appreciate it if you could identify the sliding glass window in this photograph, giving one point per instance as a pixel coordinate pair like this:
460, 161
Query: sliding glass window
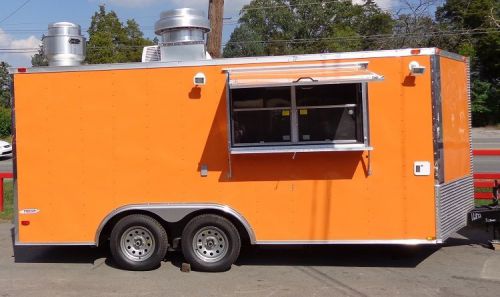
261, 116
329, 113
314, 114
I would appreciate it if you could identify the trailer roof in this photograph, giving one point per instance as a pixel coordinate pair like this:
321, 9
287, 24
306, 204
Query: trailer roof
246, 60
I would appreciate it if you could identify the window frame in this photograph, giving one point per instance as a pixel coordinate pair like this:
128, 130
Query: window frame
295, 145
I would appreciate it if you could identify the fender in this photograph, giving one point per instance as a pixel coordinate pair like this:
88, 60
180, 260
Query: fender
174, 212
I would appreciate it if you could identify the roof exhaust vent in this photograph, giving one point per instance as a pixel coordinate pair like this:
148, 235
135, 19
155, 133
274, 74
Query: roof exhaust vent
64, 44
182, 34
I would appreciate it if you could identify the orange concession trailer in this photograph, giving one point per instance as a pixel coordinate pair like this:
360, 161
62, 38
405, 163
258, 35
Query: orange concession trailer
341, 148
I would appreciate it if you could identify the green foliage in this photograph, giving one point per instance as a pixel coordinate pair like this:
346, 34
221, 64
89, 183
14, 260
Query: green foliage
112, 42
5, 100
39, 58
483, 50
248, 44
8, 192
5, 122
294, 27
485, 103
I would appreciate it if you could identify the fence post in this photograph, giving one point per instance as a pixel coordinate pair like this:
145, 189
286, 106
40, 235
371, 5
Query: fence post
1, 194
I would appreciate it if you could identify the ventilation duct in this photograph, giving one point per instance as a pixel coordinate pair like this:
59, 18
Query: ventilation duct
64, 44
182, 34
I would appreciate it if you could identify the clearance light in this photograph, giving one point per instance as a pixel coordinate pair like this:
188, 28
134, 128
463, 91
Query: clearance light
416, 69
22, 70
25, 223
415, 51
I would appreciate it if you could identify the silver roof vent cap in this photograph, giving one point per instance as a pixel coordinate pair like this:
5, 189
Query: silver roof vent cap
64, 28
176, 19
64, 44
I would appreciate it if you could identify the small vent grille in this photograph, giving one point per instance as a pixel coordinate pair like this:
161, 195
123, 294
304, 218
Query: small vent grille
151, 54
455, 200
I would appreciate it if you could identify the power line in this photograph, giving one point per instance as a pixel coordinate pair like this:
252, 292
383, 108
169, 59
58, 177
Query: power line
15, 11
303, 40
367, 37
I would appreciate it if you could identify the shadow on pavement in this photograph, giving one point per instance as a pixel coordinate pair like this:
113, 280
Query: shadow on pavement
337, 255
56, 254
473, 235
5, 157
282, 255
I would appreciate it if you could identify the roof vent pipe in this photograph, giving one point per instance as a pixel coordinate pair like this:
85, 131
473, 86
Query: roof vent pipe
182, 34
64, 44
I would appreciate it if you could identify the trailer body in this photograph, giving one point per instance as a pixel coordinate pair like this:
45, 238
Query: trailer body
93, 142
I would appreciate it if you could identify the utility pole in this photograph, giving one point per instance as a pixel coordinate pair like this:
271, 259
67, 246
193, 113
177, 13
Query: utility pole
215, 15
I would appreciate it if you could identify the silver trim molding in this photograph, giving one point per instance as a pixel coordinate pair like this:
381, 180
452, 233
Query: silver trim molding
300, 149
437, 120
450, 55
15, 219
56, 244
236, 61
174, 212
369, 241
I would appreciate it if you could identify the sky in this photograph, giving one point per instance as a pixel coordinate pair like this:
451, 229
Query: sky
23, 22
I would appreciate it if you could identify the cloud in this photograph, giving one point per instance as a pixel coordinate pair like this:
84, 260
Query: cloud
17, 58
133, 3
384, 4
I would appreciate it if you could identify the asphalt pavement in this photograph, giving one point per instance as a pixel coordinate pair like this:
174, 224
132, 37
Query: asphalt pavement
464, 266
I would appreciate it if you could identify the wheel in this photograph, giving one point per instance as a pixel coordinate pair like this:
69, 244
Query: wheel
210, 243
138, 242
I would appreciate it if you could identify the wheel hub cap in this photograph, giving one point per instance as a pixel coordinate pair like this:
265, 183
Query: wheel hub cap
137, 243
210, 244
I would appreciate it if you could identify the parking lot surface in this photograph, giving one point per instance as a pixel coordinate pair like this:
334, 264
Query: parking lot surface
464, 266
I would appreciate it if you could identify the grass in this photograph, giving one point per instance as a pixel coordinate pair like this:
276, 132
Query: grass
481, 202
8, 192
7, 138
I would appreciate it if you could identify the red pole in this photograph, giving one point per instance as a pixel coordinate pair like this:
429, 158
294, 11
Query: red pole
1, 194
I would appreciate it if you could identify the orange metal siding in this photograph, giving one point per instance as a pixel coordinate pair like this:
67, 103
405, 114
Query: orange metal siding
90, 142
457, 162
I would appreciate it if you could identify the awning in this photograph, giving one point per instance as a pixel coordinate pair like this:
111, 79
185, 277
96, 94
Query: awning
305, 74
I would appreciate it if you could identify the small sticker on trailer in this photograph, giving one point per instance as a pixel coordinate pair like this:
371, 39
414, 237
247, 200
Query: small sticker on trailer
28, 211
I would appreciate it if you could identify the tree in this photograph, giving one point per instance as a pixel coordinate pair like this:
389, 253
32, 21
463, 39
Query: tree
414, 25
39, 59
112, 42
5, 100
478, 24
5, 84
306, 26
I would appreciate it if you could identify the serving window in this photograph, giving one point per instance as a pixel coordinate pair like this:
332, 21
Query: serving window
313, 108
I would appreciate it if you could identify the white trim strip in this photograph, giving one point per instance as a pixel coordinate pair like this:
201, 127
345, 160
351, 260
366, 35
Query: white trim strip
235, 61
369, 241
17, 243
285, 68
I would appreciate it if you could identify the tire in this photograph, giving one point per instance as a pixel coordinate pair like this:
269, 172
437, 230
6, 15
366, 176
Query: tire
138, 242
210, 243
